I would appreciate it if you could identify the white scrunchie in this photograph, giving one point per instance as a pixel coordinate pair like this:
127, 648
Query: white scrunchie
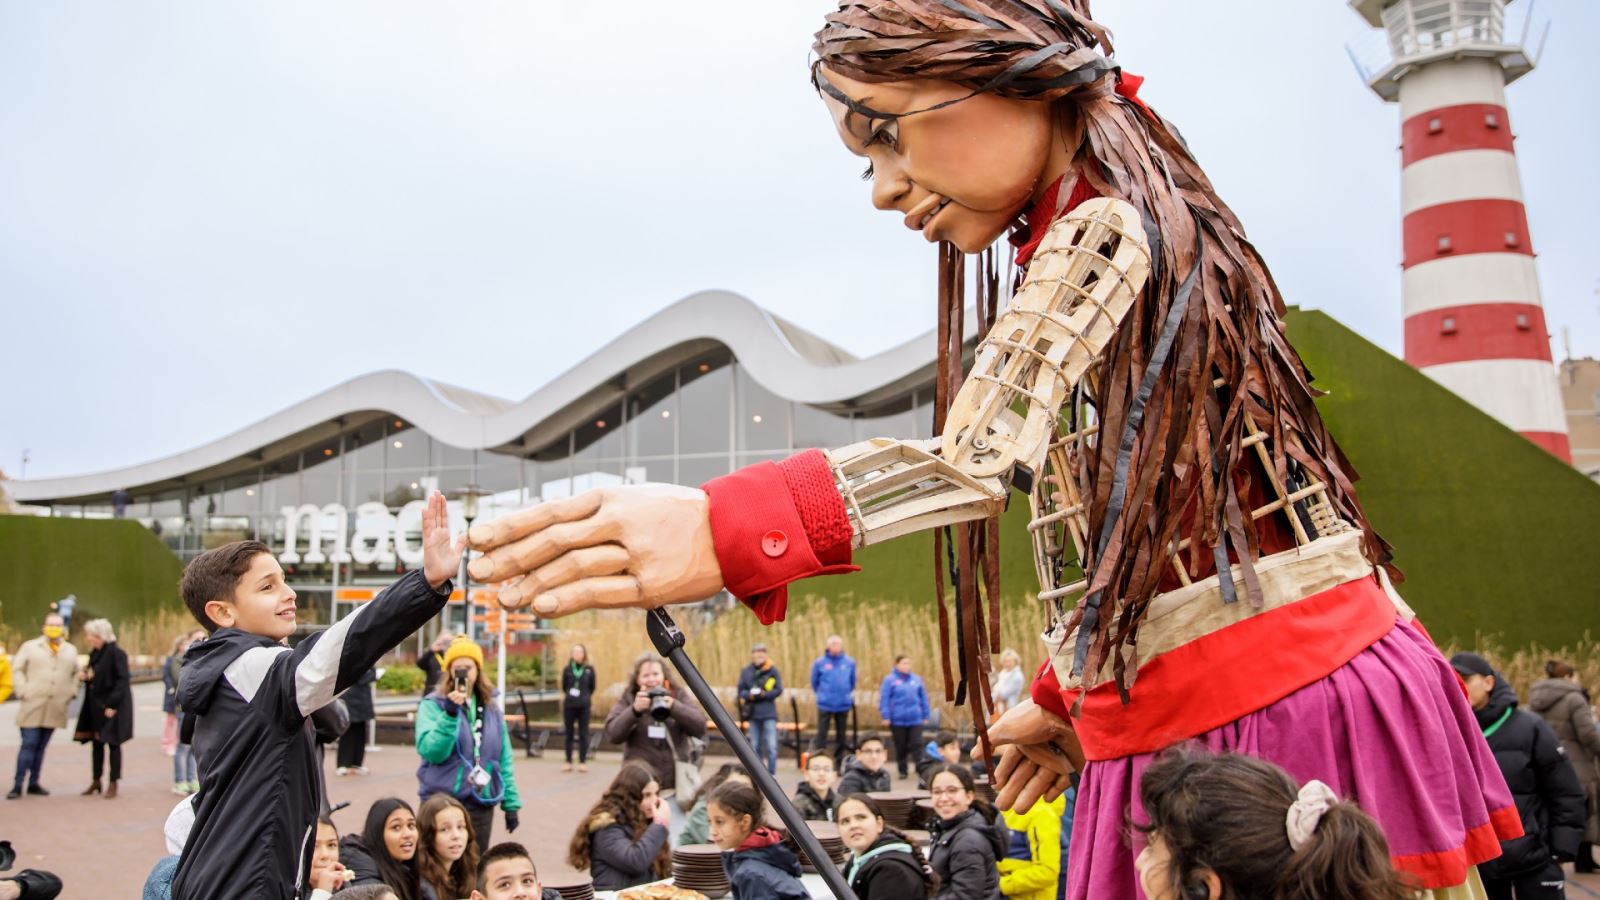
1307, 810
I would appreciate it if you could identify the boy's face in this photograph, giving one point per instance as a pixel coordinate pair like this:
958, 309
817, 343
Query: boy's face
510, 879
951, 752
262, 602
872, 755
819, 774
1479, 687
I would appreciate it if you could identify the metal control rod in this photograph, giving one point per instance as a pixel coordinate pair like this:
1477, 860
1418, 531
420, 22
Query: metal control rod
669, 641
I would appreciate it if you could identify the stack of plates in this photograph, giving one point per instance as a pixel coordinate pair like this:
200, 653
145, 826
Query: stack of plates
698, 867
827, 834
897, 806
571, 887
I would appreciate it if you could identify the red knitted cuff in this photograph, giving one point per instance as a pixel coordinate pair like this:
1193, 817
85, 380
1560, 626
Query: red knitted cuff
1046, 691
811, 486
761, 537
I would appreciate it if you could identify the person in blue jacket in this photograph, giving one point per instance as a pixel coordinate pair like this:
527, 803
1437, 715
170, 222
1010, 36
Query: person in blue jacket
760, 686
903, 703
833, 680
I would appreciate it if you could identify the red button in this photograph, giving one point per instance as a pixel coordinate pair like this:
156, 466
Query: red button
774, 543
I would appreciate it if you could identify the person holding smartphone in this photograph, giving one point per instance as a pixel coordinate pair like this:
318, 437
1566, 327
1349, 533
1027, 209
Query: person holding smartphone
464, 744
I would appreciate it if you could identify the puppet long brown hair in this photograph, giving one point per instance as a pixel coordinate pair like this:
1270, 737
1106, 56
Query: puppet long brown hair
1200, 354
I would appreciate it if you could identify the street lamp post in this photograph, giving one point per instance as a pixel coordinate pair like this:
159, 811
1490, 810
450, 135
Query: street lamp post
469, 510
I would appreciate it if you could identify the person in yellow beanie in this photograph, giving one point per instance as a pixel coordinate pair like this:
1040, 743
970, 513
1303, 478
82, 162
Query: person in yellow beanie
464, 743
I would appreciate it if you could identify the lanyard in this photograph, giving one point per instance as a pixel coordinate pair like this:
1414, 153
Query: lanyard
477, 739
1500, 721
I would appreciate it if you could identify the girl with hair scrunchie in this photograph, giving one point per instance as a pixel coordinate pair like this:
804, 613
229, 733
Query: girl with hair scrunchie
1236, 827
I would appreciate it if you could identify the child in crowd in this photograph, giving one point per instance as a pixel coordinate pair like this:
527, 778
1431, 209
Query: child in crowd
506, 872
696, 826
623, 840
966, 845
759, 866
1031, 867
884, 864
447, 850
864, 772
1233, 826
943, 750
385, 852
815, 797
368, 892
248, 695
327, 874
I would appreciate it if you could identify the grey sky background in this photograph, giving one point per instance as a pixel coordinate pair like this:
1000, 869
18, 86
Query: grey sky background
210, 211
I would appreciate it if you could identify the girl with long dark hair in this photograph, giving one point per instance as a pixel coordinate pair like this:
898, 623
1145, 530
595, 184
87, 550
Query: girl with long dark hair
884, 864
967, 847
1233, 827
385, 852
623, 839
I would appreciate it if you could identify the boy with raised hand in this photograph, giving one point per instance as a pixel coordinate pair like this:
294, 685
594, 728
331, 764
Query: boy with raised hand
249, 697
507, 872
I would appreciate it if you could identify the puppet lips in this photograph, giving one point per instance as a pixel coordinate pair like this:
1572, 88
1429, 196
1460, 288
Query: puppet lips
920, 215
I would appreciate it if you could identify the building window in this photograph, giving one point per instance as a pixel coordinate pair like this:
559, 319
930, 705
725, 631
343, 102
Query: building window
1511, 239
1491, 120
1448, 326
1444, 243
1435, 125
1522, 322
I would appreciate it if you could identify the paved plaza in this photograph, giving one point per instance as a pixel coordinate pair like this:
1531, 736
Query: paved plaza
104, 848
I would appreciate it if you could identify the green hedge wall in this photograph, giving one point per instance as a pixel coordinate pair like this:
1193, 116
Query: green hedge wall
116, 567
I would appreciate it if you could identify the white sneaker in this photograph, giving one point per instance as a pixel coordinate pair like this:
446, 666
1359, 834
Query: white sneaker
342, 771
181, 789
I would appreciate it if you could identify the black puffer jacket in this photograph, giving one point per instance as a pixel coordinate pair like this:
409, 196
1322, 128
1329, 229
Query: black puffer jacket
888, 871
966, 855
855, 779
811, 806
1549, 799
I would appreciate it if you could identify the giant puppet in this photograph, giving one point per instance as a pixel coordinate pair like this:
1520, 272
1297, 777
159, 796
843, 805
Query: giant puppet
1210, 573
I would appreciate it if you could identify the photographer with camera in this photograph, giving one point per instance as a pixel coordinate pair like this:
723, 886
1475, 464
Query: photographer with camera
654, 721
464, 744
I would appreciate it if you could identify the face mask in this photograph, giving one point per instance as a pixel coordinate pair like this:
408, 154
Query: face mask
54, 632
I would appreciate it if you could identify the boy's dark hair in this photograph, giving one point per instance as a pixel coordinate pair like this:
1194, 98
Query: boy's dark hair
1226, 814
945, 736
811, 757
502, 850
214, 574
868, 738
368, 892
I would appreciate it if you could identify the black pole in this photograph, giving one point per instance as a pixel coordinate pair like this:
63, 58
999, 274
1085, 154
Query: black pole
669, 643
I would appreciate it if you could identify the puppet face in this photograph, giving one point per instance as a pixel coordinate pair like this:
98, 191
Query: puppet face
960, 174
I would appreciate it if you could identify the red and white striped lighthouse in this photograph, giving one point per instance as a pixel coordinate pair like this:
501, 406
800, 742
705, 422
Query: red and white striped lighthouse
1473, 317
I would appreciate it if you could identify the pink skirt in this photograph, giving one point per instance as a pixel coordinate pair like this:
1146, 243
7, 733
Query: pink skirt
1390, 729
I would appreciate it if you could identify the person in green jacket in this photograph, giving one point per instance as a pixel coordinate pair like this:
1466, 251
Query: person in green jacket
464, 744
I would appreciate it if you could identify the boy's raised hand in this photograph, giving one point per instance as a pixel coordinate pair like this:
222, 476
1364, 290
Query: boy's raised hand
441, 556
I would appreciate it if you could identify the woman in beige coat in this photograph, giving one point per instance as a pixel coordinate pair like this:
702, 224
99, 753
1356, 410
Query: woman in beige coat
44, 674
1563, 702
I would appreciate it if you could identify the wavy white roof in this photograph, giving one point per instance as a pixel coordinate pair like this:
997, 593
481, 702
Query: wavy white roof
782, 357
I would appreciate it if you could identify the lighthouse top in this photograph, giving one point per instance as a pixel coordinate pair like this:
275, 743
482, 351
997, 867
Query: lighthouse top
1422, 31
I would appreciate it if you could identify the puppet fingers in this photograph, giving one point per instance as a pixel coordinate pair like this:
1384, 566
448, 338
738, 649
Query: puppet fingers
607, 592
1011, 789
528, 554
520, 524
1036, 788
585, 562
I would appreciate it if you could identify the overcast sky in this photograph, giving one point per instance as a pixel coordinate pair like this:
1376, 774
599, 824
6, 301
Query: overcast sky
210, 211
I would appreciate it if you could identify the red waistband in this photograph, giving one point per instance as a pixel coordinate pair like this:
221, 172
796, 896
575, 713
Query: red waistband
1230, 673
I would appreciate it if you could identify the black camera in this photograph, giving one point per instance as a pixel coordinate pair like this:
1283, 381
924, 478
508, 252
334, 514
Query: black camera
660, 705
459, 678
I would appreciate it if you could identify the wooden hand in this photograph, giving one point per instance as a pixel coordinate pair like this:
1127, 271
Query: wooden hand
1039, 753
641, 546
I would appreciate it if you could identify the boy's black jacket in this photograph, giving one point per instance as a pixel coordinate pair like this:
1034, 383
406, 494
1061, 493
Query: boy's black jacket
260, 785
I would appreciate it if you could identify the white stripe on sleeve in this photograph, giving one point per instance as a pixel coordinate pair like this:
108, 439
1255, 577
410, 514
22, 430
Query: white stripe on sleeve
318, 673
246, 673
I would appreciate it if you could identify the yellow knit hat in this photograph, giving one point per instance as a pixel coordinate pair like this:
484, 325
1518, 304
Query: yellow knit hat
461, 647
